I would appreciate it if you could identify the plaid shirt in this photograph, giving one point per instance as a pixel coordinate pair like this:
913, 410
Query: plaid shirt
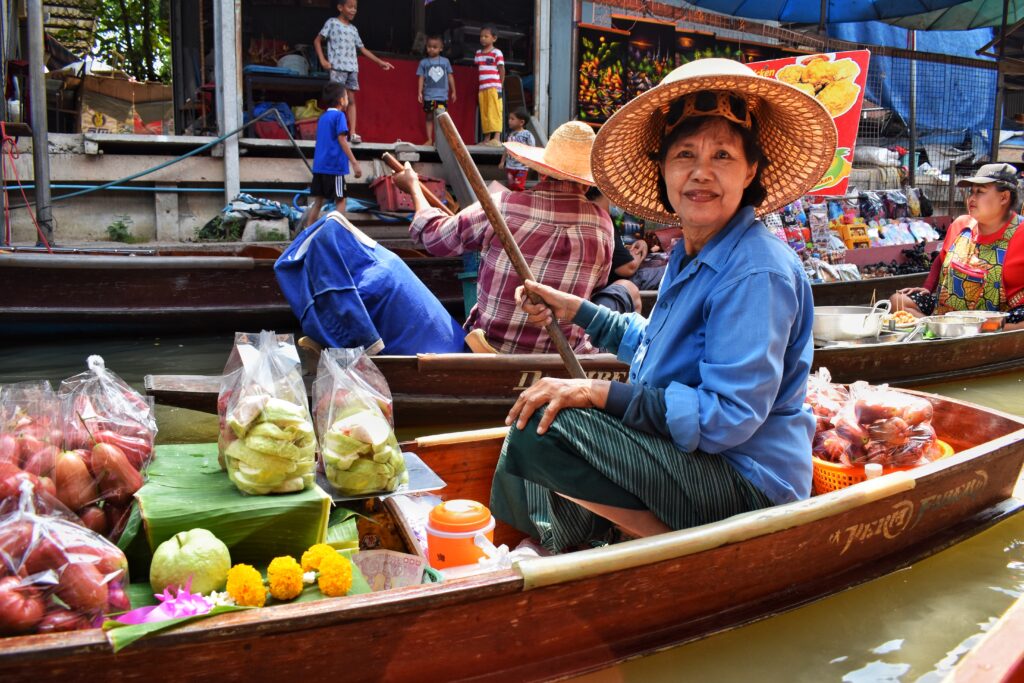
566, 240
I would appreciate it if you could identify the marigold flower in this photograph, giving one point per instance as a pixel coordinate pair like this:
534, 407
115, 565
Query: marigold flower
311, 558
245, 586
335, 575
284, 577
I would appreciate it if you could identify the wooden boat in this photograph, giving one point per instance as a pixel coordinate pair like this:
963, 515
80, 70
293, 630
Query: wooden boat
850, 293
457, 389
999, 656
199, 289
558, 616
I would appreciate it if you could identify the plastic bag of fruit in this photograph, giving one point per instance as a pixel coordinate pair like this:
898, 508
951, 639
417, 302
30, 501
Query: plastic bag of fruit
55, 575
881, 425
30, 432
109, 429
353, 409
267, 441
824, 398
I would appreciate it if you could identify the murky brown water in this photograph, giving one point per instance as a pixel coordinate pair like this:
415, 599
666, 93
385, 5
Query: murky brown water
908, 626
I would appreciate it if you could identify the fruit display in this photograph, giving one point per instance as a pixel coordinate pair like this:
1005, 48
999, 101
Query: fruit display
352, 405
267, 442
55, 575
600, 88
870, 424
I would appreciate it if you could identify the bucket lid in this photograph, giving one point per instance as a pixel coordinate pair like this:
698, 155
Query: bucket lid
459, 516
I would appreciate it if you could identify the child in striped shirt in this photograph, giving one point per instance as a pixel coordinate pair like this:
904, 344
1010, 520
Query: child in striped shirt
491, 68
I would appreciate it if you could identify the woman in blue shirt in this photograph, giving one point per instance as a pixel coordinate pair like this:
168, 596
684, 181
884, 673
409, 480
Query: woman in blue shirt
711, 423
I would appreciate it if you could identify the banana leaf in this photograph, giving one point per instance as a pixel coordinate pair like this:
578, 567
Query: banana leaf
187, 489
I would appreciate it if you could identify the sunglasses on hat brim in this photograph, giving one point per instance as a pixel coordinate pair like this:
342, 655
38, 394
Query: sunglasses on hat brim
723, 103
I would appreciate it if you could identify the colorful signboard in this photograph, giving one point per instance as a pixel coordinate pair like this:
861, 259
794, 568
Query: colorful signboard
838, 81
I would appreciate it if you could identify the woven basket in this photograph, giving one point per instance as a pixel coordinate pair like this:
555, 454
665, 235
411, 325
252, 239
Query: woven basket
831, 476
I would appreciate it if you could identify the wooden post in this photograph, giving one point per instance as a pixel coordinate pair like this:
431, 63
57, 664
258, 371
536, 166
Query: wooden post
396, 166
497, 221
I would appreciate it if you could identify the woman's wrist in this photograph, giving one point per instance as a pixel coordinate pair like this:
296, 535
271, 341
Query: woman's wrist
599, 389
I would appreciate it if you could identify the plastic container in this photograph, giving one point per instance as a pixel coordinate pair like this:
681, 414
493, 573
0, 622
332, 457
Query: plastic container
831, 476
451, 529
390, 198
271, 130
306, 129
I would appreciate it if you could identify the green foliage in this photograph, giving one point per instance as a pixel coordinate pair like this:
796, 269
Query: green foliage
219, 230
121, 230
135, 36
270, 236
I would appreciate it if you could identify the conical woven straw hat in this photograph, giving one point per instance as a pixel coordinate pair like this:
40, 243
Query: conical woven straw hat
795, 131
566, 156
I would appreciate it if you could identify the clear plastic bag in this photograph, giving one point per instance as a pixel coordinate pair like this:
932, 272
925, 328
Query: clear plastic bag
109, 429
30, 431
353, 417
267, 442
879, 425
55, 575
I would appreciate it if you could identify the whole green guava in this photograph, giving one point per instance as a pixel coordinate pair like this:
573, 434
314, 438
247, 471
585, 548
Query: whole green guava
197, 555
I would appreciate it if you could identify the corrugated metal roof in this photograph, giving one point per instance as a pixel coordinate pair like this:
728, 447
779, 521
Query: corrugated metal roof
72, 22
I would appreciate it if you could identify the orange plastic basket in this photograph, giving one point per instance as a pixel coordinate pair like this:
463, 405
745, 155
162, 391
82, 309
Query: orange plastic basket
832, 476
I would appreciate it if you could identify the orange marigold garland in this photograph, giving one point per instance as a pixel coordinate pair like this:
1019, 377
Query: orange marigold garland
284, 577
335, 575
245, 586
312, 557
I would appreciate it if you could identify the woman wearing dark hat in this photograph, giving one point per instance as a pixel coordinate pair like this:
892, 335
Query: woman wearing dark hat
981, 264
711, 423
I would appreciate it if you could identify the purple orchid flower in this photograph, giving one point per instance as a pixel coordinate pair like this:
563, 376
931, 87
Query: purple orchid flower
184, 603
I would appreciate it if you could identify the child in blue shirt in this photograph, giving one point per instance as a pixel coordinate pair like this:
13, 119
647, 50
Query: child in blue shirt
331, 156
435, 80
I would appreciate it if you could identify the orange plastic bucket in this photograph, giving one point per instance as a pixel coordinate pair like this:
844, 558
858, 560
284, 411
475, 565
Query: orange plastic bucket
451, 529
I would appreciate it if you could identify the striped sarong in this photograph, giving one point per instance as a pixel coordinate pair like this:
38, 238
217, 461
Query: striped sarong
592, 456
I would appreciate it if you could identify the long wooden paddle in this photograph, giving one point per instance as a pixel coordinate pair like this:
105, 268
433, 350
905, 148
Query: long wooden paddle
572, 364
431, 198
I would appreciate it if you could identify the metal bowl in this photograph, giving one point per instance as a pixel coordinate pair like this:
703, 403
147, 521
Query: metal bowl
952, 326
991, 321
846, 323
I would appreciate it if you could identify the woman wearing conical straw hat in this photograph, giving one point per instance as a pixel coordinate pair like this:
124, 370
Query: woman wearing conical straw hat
565, 238
711, 423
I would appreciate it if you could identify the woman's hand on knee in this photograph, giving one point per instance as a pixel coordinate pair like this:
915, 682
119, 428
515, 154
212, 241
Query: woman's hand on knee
563, 305
556, 394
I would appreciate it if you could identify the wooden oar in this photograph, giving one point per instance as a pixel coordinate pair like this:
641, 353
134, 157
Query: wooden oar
432, 199
497, 221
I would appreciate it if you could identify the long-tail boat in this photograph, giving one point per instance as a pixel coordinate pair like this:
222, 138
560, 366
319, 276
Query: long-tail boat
458, 389
552, 617
164, 290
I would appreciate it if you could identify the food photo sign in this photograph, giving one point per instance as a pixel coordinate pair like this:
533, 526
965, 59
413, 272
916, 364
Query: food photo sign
837, 80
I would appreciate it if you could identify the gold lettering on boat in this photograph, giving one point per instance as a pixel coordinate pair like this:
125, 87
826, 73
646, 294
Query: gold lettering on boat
965, 491
526, 379
888, 526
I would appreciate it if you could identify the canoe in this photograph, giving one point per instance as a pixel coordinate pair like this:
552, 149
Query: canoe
558, 616
447, 390
163, 291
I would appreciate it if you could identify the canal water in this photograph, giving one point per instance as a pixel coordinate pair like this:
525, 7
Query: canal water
912, 625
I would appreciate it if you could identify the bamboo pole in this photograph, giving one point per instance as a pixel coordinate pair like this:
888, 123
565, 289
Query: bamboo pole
497, 221
396, 166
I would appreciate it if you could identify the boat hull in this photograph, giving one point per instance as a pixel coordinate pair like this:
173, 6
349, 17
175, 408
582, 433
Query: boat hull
554, 617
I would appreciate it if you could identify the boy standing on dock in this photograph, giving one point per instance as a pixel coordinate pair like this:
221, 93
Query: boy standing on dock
491, 68
331, 157
341, 61
436, 79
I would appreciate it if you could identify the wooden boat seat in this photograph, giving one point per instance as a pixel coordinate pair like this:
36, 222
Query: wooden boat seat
477, 342
310, 349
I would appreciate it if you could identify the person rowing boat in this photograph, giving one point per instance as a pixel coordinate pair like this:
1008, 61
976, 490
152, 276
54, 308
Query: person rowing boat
711, 423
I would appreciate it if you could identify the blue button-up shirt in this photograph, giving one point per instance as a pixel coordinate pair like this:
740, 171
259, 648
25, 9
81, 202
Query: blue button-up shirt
725, 356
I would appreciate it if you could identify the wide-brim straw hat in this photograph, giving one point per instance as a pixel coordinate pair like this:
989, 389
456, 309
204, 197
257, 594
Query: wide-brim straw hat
796, 133
566, 156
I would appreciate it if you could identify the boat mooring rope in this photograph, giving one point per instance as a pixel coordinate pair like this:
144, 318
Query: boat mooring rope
10, 151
